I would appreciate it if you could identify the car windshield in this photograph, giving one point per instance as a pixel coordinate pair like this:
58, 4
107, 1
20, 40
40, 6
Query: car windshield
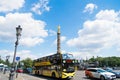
109, 69
101, 70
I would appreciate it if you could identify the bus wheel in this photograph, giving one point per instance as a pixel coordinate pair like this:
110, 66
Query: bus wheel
53, 75
35, 72
38, 73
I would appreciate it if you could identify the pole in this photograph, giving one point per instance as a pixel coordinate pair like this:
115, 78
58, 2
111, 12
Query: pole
12, 72
16, 69
18, 34
58, 40
16, 43
59, 51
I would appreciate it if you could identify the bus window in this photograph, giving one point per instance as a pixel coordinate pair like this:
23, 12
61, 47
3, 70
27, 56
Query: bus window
67, 56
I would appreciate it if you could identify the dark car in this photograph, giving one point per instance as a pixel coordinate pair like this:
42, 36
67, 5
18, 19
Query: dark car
112, 71
27, 70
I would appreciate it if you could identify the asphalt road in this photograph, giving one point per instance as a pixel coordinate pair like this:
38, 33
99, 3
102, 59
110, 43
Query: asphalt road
21, 76
78, 76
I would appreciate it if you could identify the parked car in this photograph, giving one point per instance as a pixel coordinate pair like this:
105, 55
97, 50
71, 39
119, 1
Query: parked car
99, 74
19, 70
114, 72
27, 70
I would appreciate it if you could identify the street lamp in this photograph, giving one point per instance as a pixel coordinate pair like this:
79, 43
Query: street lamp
7, 63
18, 34
7, 59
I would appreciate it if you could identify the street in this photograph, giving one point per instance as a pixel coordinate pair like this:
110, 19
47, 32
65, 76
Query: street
22, 76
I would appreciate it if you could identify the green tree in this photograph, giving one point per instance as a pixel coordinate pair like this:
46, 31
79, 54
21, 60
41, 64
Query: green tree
1, 61
7, 62
28, 62
107, 61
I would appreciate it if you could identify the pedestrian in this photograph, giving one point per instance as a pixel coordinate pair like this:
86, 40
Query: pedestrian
5, 71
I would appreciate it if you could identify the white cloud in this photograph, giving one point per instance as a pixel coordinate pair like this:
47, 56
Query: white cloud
4, 53
33, 30
40, 7
52, 33
22, 54
26, 54
90, 7
101, 33
109, 15
63, 38
6, 6
82, 55
34, 41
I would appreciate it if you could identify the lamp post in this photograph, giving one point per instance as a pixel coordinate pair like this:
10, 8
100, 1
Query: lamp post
7, 59
7, 63
18, 34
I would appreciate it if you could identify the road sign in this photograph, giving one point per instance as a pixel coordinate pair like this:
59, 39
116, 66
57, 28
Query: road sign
17, 58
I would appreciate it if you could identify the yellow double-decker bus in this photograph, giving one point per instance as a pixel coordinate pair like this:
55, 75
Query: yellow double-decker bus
57, 65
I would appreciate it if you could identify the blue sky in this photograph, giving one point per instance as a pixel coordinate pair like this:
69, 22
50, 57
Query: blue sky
88, 27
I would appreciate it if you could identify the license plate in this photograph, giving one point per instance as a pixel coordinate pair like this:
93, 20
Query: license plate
70, 77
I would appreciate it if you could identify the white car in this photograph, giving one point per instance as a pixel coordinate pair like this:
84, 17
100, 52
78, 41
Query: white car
99, 74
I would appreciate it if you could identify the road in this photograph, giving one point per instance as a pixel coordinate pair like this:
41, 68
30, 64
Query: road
78, 76
21, 76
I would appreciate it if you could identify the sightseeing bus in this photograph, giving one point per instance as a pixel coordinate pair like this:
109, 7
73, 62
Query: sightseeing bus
57, 65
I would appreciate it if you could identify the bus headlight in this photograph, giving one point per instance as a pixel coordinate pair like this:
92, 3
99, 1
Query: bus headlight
64, 61
73, 61
64, 70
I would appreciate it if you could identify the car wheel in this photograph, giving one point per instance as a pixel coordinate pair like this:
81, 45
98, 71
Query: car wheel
102, 78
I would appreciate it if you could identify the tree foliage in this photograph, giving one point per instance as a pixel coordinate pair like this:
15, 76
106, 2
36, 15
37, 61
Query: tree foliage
1, 61
106, 61
5, 62
28, 62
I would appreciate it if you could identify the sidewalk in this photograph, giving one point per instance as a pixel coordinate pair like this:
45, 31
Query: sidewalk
6, 76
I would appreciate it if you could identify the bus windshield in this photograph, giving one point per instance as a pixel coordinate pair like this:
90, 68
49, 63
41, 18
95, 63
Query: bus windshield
68, 62
68, 68
67, 56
